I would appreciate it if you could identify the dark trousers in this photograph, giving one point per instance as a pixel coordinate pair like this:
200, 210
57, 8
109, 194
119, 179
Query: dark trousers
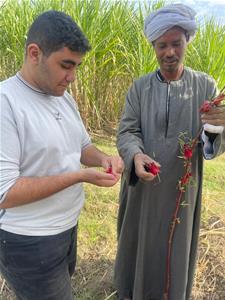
39, 267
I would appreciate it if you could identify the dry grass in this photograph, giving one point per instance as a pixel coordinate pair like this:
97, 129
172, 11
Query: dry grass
210, 281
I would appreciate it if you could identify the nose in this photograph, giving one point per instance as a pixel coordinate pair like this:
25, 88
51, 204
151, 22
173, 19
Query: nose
70, 77
170, 52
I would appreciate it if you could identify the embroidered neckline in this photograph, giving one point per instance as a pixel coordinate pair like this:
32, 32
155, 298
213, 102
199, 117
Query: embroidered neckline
161, 78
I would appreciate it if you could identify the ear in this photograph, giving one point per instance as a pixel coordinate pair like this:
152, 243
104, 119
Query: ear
33, 53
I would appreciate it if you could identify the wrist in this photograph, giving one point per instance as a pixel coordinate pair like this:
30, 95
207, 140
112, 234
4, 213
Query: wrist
80, 176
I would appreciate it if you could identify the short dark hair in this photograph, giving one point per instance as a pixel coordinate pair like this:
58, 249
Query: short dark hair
54, 30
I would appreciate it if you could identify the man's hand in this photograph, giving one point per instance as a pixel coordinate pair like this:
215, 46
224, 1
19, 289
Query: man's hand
216, 116
91, 175
140, 160
113, 164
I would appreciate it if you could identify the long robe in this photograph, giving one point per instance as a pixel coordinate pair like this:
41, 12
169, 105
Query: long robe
155, 114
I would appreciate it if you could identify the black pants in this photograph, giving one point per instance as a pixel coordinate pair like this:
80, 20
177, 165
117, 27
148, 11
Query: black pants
39, 267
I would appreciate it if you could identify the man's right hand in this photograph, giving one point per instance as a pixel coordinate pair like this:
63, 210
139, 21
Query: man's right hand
140, 160
93, 176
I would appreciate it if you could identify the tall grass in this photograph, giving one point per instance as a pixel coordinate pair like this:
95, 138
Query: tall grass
119, 52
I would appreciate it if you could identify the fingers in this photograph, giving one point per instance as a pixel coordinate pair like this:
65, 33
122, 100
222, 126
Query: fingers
107, 183
105, 179
114, 165
91, 175
216, 116
141, 161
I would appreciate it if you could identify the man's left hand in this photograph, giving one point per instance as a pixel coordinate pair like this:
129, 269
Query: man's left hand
216, 116
113, 164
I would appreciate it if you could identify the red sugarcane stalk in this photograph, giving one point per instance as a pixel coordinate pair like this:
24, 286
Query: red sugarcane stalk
171, 234
184, 180
172, 229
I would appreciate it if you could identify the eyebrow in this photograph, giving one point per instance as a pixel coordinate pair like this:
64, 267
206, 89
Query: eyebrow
70, 62
175, 41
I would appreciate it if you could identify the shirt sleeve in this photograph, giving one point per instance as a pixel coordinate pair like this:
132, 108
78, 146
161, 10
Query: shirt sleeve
213, 144
10, 149
129, 137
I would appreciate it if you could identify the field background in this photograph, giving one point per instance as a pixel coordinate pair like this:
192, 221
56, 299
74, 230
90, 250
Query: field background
120, 53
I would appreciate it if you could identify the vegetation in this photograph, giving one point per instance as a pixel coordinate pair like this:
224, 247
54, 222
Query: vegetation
119, 54
120, 51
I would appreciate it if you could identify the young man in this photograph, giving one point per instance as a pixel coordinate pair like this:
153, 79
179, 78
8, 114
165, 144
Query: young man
43, 142
160, 106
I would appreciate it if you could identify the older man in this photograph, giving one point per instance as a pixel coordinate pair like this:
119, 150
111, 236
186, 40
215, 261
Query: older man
160, 106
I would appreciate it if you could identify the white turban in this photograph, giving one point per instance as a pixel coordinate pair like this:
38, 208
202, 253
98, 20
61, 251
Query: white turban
163, 19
